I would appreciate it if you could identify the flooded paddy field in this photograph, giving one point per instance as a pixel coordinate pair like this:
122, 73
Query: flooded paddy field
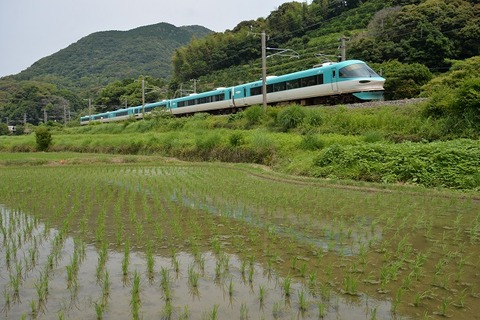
213, 241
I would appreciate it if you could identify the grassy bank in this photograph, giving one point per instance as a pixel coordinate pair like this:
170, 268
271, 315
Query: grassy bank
389, 144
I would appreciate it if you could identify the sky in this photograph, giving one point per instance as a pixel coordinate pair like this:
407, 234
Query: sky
33, 29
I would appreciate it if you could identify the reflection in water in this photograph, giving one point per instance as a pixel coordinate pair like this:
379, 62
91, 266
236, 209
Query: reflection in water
330, 242
47, 274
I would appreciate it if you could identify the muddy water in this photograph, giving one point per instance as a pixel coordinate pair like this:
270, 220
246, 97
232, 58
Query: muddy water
349, 252
230, 291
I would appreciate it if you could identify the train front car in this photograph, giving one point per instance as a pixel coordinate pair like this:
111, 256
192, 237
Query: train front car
355, 77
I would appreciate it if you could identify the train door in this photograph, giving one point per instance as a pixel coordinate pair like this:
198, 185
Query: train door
334, 80
239, 94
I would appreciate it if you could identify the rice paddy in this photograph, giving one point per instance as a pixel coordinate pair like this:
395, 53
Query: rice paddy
175, 240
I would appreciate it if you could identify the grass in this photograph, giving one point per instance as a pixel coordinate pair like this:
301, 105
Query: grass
368, 139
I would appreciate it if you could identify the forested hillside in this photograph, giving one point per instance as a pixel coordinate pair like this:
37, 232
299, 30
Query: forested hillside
429, 32
103, 57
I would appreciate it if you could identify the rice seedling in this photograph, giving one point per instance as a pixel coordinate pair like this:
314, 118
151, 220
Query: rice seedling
230, 287
176, 265
243, 311
15, 282
106, 288
214, 313
193, 276
99, 310
262, 293
150, 261
135, 296
287, 282
126, 259
33, 309
322, 310
167, 311
443, 309
350, 285
303, 303
277, 310
251, 272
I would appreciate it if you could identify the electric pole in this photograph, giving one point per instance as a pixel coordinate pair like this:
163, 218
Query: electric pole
343, 49
264, 70
143, 97
194, 85
65, 114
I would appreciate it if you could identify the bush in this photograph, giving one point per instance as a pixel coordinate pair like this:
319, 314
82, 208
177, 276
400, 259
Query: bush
236, 139
4, 129
403, 80
451, 164
254, 115
311, 142
43, 138
291, 117
467, 102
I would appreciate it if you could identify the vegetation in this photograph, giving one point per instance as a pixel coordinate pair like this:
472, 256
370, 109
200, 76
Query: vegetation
118, 55
455, 96
409, 41
146, 236
389, 144
43, 138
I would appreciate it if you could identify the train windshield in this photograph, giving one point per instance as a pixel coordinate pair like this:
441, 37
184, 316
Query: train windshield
357, 70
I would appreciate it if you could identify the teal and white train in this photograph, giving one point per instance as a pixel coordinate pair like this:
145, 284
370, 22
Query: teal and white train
330, 83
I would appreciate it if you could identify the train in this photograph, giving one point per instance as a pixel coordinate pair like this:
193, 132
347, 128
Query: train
328, 83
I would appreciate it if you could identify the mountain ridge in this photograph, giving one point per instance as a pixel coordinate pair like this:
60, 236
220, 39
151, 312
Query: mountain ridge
105, 56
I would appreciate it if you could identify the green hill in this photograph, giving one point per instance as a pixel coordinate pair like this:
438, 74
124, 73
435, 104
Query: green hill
103, 57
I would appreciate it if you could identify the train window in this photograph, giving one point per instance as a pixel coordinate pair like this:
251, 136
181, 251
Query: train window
308, 81
279, 86
357, 70
293, 84
269, 88
320, 79
255, 91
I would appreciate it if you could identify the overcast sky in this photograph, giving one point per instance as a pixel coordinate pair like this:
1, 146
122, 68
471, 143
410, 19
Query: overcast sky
33, 29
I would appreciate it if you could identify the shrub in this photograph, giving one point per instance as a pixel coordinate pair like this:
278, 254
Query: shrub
311, 142
254, 114
291, 117
4, 129
373, 136
43, 138
236, 139
467, 102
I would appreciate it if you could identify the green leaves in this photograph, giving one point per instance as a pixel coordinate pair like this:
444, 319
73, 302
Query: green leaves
452, 164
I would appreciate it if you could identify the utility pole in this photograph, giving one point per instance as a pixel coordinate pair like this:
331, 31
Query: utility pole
343, 49
90, 107
65, 114
143, 97
44, 115
194, 85
264, 70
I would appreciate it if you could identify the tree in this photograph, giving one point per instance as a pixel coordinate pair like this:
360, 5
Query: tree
4, 129
403, 80
43, 138
428, 33
455, 96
